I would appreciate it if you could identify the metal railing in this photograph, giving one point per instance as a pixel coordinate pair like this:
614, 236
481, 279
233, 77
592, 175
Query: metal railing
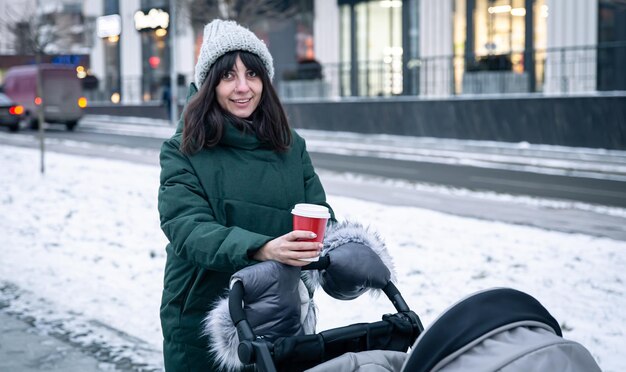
129, 90
565, 71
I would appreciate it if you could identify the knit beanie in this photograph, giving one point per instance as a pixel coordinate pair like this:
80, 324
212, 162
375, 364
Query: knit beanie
221, 37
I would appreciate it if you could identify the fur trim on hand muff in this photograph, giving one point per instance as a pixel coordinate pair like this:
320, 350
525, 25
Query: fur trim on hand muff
276, 303
359, 261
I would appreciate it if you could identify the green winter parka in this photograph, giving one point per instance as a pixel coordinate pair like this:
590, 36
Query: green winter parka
217, 207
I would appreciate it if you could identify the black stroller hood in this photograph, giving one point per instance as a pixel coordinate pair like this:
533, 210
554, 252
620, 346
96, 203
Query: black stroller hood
472, 318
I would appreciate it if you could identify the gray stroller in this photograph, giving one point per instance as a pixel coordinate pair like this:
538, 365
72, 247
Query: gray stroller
395, 332
499, 329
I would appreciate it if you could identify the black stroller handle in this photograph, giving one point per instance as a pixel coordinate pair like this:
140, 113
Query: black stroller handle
235, 307
327, 344
251, 349
396, 298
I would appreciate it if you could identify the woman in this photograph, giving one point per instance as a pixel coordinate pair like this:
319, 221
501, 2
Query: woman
229, 178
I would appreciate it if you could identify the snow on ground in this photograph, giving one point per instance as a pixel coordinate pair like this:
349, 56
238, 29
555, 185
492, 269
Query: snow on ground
82, 254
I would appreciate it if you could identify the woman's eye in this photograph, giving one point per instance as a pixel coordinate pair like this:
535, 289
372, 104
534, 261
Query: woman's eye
227, 75
252, 73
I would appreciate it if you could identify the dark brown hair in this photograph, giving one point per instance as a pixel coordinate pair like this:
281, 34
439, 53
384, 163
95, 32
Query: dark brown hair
205, 119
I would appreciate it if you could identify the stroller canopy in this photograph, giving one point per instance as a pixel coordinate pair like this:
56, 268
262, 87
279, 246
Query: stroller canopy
494, 330
499, 329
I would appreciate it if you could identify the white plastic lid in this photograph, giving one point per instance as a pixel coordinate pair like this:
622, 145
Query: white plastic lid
310, 210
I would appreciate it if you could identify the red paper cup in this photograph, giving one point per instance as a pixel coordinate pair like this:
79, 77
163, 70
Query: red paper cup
311, 217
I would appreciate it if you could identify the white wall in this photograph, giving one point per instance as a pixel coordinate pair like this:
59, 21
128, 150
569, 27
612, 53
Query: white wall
572, 24
435, 22
326, 31
130, 53
185, 55
326, 38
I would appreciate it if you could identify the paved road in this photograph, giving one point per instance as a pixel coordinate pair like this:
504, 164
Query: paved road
546, 216
547, 172
584, 189
24, 349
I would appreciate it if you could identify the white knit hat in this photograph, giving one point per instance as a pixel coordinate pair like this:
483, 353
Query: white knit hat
221, 37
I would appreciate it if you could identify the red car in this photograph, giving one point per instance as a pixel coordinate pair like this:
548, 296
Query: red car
11, 114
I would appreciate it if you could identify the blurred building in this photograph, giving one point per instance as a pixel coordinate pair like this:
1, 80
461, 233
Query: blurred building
439, 48
61, 20
131, 49
64, 35
346, 48
123, 48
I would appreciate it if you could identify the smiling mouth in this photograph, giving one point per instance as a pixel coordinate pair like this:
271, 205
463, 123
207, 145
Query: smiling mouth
242, 100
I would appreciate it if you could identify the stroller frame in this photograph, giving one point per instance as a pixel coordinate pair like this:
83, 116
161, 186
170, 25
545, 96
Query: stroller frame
394, 332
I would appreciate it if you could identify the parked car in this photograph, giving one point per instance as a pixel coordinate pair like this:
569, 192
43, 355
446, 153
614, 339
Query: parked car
11, 114
63, 101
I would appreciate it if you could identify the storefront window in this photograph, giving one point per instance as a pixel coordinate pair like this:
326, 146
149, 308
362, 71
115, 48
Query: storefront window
155, 50
111, 7
492, 36
112, 83
459, 37
540, 41
377, 45
155, 64
112, 73
611, 45
411, 50
499, 34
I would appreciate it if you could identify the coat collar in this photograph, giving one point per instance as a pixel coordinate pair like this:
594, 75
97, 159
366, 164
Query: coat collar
244, 139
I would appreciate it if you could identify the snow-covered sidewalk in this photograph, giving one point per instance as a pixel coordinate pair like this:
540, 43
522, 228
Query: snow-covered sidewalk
82, 252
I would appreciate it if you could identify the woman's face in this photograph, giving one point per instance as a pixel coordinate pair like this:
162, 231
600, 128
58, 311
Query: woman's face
239, 90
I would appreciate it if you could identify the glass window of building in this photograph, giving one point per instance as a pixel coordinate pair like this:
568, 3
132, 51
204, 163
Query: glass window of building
112, 71
371, 44
540, 41
611, 45
499, 45
155, 54
111, 7
499, 33
459, 35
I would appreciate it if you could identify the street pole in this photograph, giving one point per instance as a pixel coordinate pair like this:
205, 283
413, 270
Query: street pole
40, 115
173, 74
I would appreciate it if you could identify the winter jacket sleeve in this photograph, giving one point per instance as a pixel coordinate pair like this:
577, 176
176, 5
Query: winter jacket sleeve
189, 222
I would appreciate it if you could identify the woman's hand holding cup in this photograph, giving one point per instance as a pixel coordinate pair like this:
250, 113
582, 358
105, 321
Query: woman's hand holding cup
296, 248
302, 245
